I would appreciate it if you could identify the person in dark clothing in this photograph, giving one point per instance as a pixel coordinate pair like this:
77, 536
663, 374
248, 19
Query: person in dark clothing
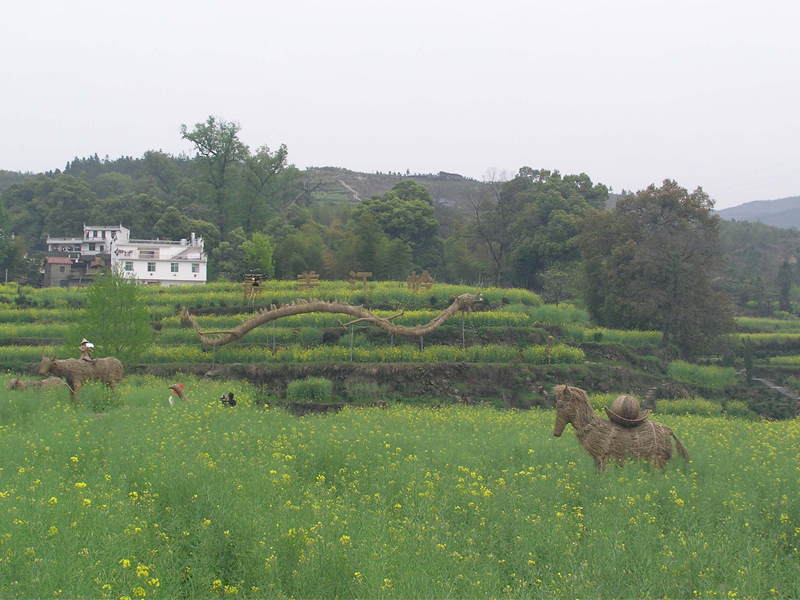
228, 400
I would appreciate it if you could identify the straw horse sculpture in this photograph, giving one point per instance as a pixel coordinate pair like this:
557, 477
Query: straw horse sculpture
107, 370
605, 440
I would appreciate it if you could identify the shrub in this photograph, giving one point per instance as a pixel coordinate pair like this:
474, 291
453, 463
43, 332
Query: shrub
311, 389
735, 408
100, 398
598, 401
561, 354
364, 391
557, 315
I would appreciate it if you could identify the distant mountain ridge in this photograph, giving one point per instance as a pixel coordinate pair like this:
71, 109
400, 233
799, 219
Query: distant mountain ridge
783, 213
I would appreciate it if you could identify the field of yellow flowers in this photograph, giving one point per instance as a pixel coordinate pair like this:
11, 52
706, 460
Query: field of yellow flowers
199, 500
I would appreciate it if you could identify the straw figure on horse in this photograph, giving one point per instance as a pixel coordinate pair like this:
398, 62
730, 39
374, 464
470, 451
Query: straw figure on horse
624, 436
75, 371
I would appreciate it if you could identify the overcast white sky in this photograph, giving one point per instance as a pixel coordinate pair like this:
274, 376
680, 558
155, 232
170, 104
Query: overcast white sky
630, 92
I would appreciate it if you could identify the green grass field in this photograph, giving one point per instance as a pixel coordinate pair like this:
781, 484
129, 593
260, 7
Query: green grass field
197, 500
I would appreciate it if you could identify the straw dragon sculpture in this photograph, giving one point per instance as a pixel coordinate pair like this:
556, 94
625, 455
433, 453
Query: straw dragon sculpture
464, 302
605, 440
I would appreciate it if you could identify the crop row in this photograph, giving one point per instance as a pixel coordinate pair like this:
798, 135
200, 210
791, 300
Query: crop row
577, 335
763, 325
492, 353
708, 376
274, 292
409, 318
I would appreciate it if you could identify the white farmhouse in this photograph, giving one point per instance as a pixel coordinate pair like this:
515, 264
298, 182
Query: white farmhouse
96, 240
161, 262
151, 262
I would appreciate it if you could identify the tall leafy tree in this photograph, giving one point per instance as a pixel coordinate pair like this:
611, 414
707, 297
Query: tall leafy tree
405, 213
784, 286
650, 264
260, 170
531, 222
6, 243
258, 255
218, 152
218, 147
116, 319
70, 202
163, 169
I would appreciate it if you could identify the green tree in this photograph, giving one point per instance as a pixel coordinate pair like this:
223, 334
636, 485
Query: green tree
298, 252
747, 351
116, 319
258, 255
261, 170
6, 243
175, 226
494, 208
218, 147
650, 264
70, 201
557, 286
461, 263
533, 221
226, 259
784, 286
405, 213
218, 152
138, 213
393, 260
163, 169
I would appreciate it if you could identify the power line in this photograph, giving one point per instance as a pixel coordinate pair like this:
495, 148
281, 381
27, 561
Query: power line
748, 173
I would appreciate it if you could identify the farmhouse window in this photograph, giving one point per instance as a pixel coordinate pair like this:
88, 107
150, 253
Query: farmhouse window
91, 247
151, 267
129, 265
195, 267
173, 267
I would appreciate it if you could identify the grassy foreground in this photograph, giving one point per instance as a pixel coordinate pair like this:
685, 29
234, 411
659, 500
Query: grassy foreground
201, 501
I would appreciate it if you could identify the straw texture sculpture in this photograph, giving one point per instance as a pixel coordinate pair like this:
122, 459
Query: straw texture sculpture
75, 371
35, 384
463, 302
605, 440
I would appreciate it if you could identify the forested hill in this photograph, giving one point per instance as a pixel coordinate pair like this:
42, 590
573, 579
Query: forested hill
258, 213
335, 184
783, 213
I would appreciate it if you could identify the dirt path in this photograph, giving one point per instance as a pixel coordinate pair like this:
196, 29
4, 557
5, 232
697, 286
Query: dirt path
777, 388
351, 190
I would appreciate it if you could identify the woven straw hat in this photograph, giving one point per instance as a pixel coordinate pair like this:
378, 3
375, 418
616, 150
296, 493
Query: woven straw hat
626, 411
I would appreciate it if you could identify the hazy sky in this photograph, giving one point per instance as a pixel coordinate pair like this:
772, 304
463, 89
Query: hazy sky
630, 92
